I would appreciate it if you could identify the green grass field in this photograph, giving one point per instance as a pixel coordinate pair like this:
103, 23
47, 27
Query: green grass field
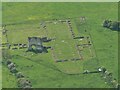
23, 20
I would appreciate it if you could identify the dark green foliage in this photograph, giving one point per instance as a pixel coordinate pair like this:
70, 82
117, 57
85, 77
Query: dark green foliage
113, 25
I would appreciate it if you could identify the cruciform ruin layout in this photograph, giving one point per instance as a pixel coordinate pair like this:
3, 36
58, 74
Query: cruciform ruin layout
56, 39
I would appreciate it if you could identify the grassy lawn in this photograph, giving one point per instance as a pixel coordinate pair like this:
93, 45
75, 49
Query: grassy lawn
23, 20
